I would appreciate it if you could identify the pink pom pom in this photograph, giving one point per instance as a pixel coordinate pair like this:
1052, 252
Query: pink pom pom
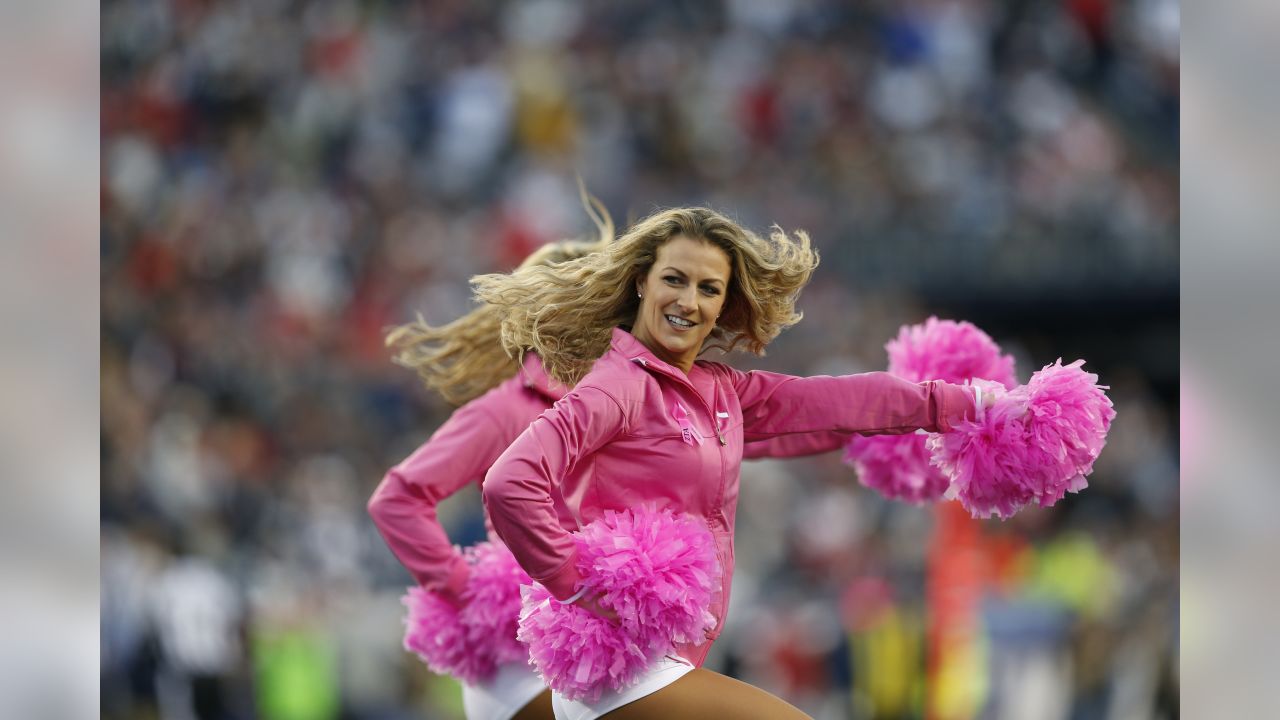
897, 466
435, 633
1035, 444
950, 351
470, 642
576, 652
492, 602
657, 570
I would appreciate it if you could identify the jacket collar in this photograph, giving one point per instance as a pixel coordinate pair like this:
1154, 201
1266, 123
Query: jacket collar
534, 377
626, 344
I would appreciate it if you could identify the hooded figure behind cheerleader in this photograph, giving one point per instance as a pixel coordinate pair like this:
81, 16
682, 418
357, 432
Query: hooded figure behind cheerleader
652, 436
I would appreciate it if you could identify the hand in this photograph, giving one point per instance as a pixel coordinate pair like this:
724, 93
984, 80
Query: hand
592, 605
989, 398
455, 584
985, 396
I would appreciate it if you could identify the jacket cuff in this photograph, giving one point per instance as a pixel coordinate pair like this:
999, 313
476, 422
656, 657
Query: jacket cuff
956, 403
563, 583
459, 574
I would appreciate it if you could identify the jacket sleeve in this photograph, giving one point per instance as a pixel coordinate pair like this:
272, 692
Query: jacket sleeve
866, 403
795, 445
404, 505
518, 489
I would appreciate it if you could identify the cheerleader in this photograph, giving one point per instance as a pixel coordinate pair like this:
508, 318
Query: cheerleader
463, 612
653, 434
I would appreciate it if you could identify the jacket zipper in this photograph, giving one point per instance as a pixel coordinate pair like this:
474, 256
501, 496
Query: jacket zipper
719, 501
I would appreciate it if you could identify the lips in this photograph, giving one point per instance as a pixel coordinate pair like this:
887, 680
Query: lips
679, 322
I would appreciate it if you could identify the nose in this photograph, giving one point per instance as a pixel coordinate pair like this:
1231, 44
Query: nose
686, 301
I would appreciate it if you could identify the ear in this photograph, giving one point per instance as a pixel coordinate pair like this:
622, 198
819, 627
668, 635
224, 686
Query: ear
640, 286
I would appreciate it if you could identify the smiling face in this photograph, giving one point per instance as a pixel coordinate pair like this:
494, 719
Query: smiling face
680, 299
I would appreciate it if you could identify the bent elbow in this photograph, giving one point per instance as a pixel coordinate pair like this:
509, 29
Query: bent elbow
496, 489
381, 504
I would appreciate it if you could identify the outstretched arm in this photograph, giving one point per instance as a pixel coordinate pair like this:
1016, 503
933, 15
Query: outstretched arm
776, 405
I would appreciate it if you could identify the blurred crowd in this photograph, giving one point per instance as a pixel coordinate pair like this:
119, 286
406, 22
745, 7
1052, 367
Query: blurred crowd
283, 180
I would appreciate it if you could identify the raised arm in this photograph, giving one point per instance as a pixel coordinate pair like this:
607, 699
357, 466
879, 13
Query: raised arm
519, 488
868, 403
404, 505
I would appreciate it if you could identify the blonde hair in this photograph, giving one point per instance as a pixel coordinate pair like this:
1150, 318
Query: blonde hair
464, 359
567, 313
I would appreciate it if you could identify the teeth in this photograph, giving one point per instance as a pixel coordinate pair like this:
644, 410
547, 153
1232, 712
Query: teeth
679, 321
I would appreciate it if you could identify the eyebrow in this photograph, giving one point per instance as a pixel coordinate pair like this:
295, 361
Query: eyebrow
683, 274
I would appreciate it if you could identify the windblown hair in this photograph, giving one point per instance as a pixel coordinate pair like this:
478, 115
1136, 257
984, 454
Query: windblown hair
567, 313
464, 359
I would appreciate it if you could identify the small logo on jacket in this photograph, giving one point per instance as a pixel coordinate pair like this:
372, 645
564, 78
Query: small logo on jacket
688, 432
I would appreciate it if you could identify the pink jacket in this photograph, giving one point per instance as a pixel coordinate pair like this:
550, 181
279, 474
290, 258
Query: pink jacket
404, 505
619, 439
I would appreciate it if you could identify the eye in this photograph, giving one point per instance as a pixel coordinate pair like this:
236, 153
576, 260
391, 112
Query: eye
672, 279
710, 290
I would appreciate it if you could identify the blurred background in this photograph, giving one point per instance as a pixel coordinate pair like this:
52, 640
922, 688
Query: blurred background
281, 181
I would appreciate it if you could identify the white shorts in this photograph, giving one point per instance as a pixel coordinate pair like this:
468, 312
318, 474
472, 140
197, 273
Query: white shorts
513, 686
662, 673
